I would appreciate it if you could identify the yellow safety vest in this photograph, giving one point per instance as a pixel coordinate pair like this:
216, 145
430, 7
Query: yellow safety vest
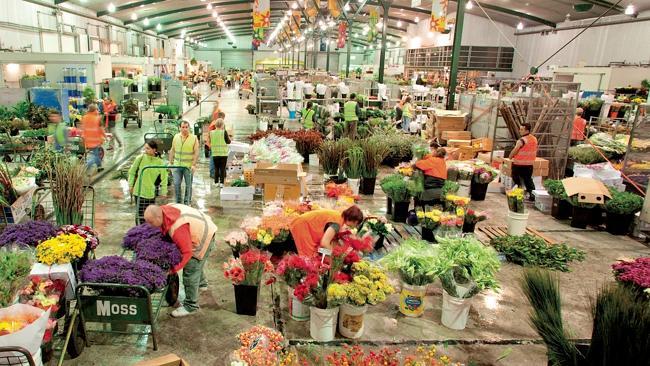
184, 150
350, 111
202, 229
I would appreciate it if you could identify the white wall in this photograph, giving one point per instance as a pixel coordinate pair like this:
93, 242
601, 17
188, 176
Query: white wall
596, 47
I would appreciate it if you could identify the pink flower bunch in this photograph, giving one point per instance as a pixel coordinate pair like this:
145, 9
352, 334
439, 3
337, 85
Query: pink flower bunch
236, 239
451, 220
234, 271
86, 232
636, 273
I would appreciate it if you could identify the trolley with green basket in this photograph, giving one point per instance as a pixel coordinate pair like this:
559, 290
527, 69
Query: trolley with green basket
142, 203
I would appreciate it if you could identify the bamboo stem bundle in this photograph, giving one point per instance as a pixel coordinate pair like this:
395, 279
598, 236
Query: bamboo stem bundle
68, 192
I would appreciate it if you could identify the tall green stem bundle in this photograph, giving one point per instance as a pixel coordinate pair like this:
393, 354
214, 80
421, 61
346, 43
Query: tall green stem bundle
8, 194
68, 191
354, 162
543, 292
330, 154
375, 151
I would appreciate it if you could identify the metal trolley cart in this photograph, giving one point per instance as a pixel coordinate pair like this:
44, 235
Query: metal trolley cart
131, 111
43, 206
139, 211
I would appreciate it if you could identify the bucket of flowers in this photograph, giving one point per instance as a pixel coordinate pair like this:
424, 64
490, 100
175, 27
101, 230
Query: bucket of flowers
453, 201
472, 217
88, 234
293, 268
378, 227
451, 225
237, 241
429, 222
482, 177
61, 249
246, 274
517, 214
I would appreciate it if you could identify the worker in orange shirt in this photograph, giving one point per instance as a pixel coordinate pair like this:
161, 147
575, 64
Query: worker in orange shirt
434, 168
523, 158
93, 137
579, 124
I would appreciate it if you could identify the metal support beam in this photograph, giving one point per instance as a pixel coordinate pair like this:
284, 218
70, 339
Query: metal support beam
385, 4
178, 10
305, 59
455, 53
315, 52
129, 6
327, 49
349, 41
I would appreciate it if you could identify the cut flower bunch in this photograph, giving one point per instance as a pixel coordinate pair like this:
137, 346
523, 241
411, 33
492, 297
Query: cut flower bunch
369, 285
248, 268
86, 232
116, 269
30, 233
516, 200
634, 273
413, 261
62, 249
429, 219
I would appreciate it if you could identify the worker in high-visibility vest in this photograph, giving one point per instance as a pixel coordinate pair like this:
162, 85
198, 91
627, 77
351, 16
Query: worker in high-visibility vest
219, 141
351, 113
93, 137
185, 153
523, 158
434, 168
58, 130
193, 232
308, 116
579, 124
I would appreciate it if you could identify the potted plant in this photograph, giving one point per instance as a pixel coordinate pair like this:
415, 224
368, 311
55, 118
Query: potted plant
246, 273
293, 268
465, 267
561, 208
471, 218
369, 285
330, 154
374, 151
353, 165
396, 188
482, 177
377, 227
582, 213
89, 96
621, 209
413, 261
517, 214
429, 222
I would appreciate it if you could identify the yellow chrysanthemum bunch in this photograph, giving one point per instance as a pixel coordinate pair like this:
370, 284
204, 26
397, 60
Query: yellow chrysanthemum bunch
516, 193
61, 249
336, 294
264, 237
369, 285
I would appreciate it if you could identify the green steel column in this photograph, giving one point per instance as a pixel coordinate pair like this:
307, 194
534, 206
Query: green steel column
382, 55
349, 41
327, 48
304, 66
455, 53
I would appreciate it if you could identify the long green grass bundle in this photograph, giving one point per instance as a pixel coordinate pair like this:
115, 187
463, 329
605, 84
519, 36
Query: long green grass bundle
353, 162
330, 154
68, 191
621, 332
542, 289
8, 194
375, 151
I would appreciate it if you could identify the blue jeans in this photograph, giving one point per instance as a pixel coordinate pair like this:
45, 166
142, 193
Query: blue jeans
211, 166
179, 176
405, 123
93, 158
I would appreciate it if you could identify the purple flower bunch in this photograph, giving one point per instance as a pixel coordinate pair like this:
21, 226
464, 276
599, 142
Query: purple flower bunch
160, 252
30, 233
116, 269
636, 273
138, 234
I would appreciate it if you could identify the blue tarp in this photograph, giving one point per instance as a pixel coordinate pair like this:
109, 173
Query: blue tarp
51, 98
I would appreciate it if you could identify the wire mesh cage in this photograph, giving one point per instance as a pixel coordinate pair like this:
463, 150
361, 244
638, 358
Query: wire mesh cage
15, 356
142, 203
43, 206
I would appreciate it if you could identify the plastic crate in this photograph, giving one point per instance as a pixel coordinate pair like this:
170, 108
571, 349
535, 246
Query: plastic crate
543, 201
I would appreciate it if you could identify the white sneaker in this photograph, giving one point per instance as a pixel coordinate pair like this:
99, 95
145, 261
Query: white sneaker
203, 289
181, 312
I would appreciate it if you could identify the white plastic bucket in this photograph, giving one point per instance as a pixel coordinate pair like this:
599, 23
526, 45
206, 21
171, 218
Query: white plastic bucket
297, 311
322, 323
354, 185
411, 300
455, 311
351, 320
464, 188
517, 223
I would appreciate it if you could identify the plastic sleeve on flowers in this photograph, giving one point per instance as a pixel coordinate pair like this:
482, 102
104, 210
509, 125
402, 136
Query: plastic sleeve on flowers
183, 241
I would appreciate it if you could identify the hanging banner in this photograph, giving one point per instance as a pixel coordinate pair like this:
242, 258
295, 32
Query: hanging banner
438, 16
261, 20
343, 31
333, 6
295, 22
311, 9
373, 20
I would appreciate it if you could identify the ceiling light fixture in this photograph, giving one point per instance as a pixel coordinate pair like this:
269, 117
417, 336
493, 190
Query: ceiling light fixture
134, 16
399, 23
469, 5
417, 19
209, 6
346, 7
294, 6
520, 26
629, 10
111, 8
158, 26
146, 22
214, 14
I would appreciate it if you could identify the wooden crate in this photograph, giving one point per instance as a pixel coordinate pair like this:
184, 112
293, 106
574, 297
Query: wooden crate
456, 135
492, 232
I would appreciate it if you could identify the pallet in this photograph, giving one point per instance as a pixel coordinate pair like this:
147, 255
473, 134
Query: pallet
400, 233
492, 232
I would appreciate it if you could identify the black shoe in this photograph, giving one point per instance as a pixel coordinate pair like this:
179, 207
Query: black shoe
100, 169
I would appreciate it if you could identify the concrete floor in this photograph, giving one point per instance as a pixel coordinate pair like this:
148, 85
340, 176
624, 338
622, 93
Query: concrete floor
497, 332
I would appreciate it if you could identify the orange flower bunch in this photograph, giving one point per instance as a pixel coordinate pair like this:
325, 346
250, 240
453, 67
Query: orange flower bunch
276, 224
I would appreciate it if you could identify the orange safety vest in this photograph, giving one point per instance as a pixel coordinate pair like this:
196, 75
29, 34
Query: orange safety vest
308, 229
433, 166
202, 229
527, 154
578, 132
91, 132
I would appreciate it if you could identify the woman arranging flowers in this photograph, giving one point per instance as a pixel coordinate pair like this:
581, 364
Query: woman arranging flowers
435, 174
465, 267
246, 273
368, 286
319, 228
413, 261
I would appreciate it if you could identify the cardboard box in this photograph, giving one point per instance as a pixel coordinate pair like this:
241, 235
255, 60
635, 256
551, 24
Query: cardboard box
285, 192
483, 143
456, 135
237, 193
167, 360
540, 167
284, 174
587, 190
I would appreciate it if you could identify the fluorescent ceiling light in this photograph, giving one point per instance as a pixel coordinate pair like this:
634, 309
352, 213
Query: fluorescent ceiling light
209, 6
111, 8
399, 23
469, 6
629, 10
294, 6
158, 26
134, 16
146, 21
417, 19
520, 26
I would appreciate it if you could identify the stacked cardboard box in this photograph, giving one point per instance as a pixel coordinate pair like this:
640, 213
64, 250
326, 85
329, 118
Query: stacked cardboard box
540, 167
281, 181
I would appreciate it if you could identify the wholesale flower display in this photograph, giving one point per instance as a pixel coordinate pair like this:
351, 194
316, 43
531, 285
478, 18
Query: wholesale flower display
160, 252
635, 273
293, 268
472, 217
452, 201
86, 232
259, 346
275, 149
44, 294
429, 219
117, 269
368, 285
358, 356
248, 268
139, 233
237, 241
516, 200
30, 233
484, 174
333, 190
62, 249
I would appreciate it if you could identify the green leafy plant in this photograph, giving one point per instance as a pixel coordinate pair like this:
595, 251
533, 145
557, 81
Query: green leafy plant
14, 268
624, 203
153, 80
89, 95
8, 194
354, 162
449, 188
239, 183
330, 154
395, 187
585, 154
41, 132
529, 250
193, 62
466, 267
413, 261
374, 151
555, 188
